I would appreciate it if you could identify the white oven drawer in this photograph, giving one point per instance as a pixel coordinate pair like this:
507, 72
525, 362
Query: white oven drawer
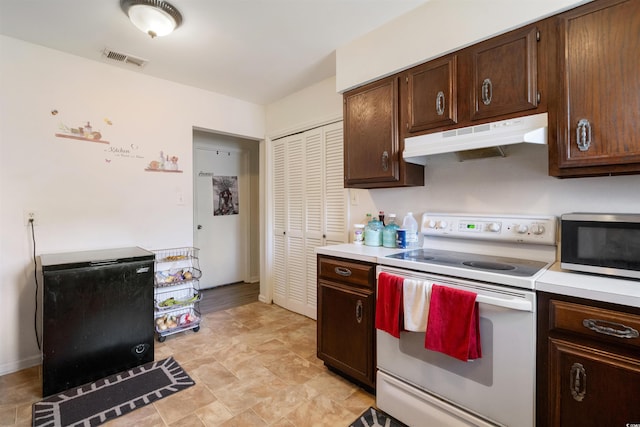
414, 407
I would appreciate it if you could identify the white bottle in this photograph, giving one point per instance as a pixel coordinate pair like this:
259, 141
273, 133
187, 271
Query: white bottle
411, 225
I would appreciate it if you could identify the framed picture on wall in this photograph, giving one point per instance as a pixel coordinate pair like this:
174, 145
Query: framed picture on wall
225, 195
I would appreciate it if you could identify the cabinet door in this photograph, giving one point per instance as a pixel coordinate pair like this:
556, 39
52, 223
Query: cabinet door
371, 133
591, 387
598, 56
505, 74
345, 330
289, 254
432, 95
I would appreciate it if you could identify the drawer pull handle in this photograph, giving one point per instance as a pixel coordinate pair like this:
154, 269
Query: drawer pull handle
343, 271
613, 329
359, 311
578, 382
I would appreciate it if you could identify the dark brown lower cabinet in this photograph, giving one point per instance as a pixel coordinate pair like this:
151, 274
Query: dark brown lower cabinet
346, 312
588, 363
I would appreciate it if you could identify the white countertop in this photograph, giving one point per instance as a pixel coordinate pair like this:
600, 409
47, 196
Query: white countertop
358, 252
554, 280
590, 286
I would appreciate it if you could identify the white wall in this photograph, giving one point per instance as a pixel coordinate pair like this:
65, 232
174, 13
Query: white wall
311, 107
86, 196
430, 30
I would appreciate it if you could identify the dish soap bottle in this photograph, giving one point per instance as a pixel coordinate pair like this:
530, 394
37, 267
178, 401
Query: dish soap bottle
389, 232
411, 225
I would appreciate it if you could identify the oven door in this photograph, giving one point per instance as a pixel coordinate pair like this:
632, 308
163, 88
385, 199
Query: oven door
497, 389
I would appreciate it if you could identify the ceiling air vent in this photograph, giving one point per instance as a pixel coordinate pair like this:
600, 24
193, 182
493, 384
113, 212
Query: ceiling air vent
124, 58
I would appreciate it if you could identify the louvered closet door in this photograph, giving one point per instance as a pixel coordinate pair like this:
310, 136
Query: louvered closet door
296, 266
314, 213
309, 211
335, 198
279, 222
288, 240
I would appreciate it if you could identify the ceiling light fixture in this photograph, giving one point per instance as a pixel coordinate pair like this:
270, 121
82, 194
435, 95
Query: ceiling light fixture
154, 17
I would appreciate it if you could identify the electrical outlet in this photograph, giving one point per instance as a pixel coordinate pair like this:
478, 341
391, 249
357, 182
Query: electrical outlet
30, 216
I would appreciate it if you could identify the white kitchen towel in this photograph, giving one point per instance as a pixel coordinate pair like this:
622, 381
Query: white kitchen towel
416, 295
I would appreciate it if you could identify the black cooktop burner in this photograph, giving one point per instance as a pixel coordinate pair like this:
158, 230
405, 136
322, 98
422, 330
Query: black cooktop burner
469, 261
488, 265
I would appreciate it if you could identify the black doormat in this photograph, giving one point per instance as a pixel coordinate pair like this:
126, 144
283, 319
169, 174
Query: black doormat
108, 398
376, 418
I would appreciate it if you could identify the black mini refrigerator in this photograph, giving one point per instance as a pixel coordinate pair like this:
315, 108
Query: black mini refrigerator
97, 315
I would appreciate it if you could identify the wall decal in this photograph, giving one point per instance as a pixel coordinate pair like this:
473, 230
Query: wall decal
225, 195
83, 132
165, 163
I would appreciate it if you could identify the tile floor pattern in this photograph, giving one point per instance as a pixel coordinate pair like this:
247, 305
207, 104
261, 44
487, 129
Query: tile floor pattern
254, 365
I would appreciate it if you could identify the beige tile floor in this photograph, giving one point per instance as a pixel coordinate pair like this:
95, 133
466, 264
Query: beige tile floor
254, 365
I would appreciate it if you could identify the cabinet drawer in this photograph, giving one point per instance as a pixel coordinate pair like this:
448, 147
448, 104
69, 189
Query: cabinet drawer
346, 271
595, 322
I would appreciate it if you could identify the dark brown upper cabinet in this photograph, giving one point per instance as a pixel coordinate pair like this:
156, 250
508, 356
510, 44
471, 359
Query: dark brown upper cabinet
597, 80
505, 74
372, 143
432, 95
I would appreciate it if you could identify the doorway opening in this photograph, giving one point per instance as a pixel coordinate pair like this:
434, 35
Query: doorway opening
226, 173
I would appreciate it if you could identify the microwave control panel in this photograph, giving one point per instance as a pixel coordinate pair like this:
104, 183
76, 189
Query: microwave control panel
509, 228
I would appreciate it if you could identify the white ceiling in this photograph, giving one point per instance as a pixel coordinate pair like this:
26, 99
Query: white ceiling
256, 50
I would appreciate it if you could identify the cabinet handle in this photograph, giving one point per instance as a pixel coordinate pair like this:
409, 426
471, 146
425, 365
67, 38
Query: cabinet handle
583, 135
578, 382
440, 103
359, 312
385, 161
610, 328
343, 271
487, 91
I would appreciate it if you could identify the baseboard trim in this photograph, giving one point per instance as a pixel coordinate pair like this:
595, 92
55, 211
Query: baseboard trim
9, 368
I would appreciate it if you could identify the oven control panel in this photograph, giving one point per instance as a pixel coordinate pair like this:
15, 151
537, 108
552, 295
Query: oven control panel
508, 228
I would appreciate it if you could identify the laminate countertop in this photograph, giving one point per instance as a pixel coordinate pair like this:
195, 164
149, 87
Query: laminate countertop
590, 286
554, 280
358, 252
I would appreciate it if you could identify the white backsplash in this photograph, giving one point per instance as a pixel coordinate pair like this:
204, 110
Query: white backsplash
516, 184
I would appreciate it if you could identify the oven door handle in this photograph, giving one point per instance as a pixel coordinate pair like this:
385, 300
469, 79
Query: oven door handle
511, 303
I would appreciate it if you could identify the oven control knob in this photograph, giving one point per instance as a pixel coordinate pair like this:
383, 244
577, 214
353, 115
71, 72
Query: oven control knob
431, 224
494, 226
537, 229
443, 224
521, 229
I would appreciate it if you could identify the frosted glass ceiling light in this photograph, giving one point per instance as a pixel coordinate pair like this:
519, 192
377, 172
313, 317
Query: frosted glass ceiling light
154, 17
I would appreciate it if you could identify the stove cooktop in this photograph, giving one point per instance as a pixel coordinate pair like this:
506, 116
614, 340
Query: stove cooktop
468, 261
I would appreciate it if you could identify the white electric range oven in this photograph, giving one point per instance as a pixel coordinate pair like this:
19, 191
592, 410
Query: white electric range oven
499, 259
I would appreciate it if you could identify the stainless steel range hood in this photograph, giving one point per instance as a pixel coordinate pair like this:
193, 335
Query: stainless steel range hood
530, 129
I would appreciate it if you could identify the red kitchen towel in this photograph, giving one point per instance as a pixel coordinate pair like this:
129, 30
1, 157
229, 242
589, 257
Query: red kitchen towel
389, 315
453, 327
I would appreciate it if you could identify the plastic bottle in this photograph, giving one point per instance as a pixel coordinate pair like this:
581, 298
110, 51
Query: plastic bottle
373, 232
381, 218
358, 234
389, 232
411, 225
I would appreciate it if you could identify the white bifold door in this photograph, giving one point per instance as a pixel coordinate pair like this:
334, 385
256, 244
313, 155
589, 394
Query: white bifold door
310, 210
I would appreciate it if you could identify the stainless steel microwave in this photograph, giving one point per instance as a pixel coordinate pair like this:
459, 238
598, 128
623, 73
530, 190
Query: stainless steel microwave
601, 243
